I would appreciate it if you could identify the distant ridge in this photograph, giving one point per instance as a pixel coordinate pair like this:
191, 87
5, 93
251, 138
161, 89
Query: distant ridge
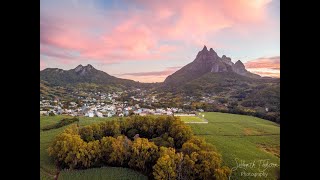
81, 74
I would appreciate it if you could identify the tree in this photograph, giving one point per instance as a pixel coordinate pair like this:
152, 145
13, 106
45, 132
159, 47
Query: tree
143, 154
105, 144
106, 148
120, 151
68, 150
180, 133
164, 140
87, 133
110, 128
189, 147
188, 164
207, 163
222, 173
165, 168
92, 154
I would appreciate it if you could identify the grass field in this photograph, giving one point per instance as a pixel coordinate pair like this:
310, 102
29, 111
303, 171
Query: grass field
191, 119
102, 173
237, 137
243, 138
48, 169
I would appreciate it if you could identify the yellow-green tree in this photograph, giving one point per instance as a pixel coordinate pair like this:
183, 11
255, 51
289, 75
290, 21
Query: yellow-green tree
68, 150
206, 164
110, 128
195, 144
121, 148
180, 133
87, 133
188, 164
93, 153
143, 154
165, 168
106, 148
222, 173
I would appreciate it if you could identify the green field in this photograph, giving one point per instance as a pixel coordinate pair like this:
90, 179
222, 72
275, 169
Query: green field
235, 137
243, 138
191, 119
102, 173
48, 169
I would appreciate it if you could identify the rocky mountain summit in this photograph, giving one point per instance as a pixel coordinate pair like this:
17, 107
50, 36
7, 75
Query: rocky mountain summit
81, 74
208, 61
84, 70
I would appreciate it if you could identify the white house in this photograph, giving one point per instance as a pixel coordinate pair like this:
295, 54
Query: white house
89, 114
109, 114
44, 113
99, 114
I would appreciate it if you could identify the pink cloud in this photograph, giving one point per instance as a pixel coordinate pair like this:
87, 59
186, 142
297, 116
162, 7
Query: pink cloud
265, 72
165, 72
265, 66
138, 34
61, 54
245, 11
264, 62
150, 76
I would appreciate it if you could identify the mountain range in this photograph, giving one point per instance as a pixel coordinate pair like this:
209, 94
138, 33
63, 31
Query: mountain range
207, 75
206, 61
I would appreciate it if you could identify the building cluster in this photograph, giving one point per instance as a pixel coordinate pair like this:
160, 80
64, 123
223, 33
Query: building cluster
103, 105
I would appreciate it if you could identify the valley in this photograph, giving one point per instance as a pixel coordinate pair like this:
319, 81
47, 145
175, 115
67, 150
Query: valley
232, 109
209, 83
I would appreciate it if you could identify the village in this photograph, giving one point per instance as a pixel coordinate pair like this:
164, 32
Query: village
98, 104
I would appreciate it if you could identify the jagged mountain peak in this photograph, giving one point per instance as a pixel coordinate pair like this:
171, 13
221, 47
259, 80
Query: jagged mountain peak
206, 56
89, 66
205, 48
84, 69
205, 62
78, 68
239, 63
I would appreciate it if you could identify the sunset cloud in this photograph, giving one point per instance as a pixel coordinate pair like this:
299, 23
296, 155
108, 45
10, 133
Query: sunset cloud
265, 66
151, 76
121, 31
165, 72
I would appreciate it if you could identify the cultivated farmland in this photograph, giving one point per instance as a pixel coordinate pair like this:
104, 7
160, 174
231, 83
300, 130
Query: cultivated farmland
243, 139
239, 139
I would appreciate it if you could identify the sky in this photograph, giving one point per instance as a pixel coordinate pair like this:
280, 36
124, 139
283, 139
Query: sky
147, 40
